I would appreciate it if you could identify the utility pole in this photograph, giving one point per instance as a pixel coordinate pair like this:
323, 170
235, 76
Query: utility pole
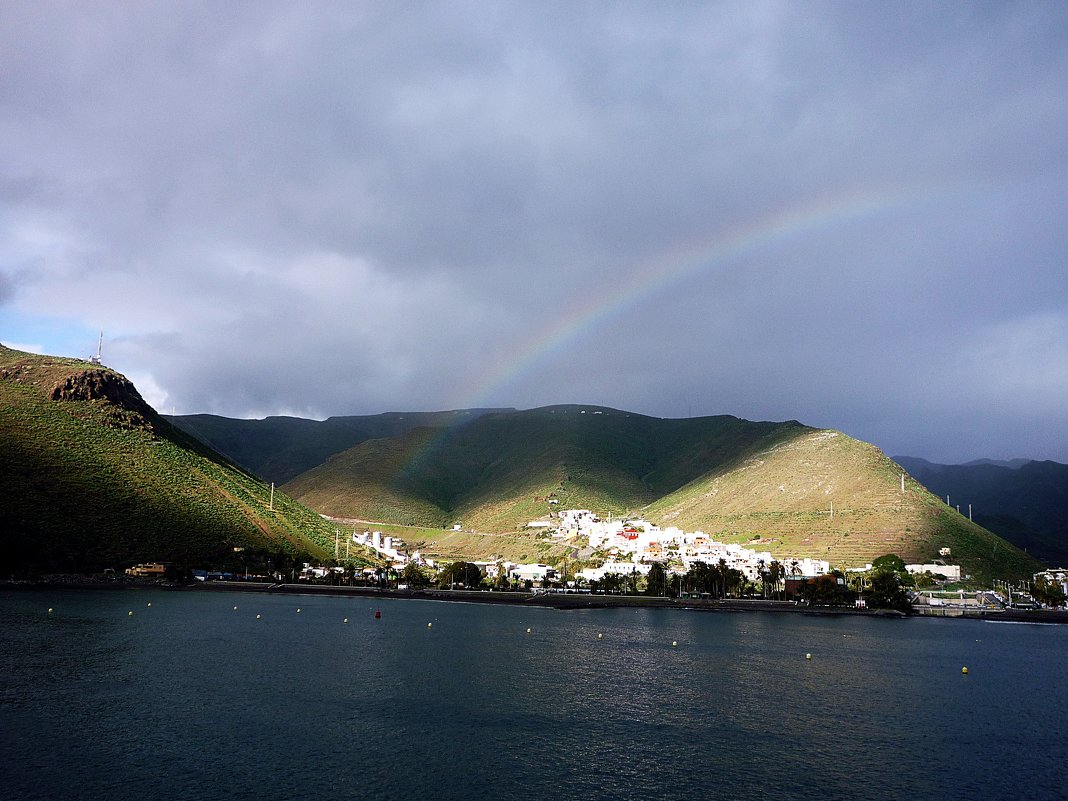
969, 511
337, 536
832, 510
271, 508
902, 482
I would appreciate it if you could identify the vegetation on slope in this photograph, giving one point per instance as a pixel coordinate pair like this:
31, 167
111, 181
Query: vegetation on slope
94, 478
280, 448
502, 470
828, 496
1026, 502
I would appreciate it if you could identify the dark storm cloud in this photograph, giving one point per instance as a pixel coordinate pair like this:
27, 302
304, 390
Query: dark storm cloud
346, 209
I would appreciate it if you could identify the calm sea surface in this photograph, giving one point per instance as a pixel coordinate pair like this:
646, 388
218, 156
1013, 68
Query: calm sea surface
190, 699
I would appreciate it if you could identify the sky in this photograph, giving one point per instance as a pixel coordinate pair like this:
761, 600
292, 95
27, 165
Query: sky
850, 214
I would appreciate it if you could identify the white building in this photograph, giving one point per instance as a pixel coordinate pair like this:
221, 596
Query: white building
951, 572
531, 572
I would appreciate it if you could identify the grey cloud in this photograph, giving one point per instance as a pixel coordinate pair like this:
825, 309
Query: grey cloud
340, 210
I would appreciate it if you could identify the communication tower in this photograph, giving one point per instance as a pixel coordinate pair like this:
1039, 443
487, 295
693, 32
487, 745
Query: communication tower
99, 350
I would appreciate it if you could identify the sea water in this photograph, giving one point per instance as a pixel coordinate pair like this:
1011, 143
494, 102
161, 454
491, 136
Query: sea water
190, 698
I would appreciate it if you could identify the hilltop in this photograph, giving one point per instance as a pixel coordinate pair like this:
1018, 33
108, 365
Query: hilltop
773, 483
95, 478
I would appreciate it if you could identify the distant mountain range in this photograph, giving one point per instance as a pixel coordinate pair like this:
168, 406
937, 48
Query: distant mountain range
1024, 501
783, 487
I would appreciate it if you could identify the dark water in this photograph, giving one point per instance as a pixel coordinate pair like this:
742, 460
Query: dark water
189, 699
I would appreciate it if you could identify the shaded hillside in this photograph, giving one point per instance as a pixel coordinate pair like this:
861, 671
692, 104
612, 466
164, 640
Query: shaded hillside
1026, 502
280, 448
504, 469
784, 496
94, 478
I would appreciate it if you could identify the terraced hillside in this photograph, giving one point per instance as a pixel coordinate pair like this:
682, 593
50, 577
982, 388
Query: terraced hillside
738, 480
829, 496
502, 470
94, 478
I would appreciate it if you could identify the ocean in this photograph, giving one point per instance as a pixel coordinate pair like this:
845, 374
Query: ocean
190, 698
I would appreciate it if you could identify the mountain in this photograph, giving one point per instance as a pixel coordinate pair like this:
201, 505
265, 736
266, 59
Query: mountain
737, 480
1024, 501
95, 478
280, 448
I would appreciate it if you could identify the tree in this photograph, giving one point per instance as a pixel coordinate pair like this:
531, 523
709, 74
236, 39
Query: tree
463, 573
776, 573
890, 561
414, 577
657, 582
828, 590
1048, 592
887, 591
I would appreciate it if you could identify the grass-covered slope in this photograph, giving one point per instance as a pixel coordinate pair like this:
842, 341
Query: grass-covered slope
736, 479
784, 495
94, 478
502, 470
1026, 502
280, 448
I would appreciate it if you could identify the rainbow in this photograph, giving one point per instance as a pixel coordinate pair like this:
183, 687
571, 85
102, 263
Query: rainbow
680, 264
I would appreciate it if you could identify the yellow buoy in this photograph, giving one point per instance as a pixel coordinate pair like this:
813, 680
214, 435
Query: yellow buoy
808, 656
964, 670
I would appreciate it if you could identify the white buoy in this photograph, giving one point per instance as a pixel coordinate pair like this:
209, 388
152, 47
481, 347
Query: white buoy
149, 603
964, 670
50, 610
528, 631
346, 620
808, 656
600, 636
130, 613
298, 610
430, 625
257, 617
674, 643
235, 608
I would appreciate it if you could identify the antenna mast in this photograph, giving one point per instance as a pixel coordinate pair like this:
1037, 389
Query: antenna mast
97, 359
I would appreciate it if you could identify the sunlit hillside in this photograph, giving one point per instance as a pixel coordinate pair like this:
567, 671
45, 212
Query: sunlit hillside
94, 478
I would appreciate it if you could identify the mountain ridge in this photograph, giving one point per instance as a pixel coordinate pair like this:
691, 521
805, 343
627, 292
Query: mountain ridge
1024, 500
501, 470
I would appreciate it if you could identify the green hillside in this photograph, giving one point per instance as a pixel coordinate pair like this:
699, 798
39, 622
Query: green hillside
828, 496
738, 480
502, 470
280, 448
94, 478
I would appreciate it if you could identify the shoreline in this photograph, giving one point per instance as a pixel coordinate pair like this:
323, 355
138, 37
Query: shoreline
566, 602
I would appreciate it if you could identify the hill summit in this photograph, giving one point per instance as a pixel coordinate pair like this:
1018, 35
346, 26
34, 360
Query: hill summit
95, 478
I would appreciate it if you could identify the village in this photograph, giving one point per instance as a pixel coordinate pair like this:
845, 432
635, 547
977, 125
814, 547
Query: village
631, 556
629, 547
